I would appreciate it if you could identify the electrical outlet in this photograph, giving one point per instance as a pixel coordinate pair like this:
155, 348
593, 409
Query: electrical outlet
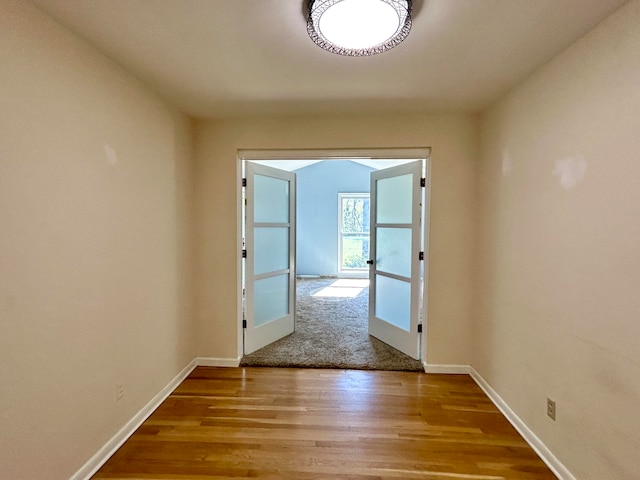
119, 392
551, 409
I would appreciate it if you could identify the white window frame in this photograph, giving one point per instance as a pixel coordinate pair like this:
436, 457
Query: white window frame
341, 270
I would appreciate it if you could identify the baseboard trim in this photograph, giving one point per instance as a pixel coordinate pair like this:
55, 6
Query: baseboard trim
534, 442
105, 453
217, 362
446, 369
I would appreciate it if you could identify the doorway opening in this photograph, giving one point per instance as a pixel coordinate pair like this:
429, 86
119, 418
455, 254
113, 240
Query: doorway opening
307, 225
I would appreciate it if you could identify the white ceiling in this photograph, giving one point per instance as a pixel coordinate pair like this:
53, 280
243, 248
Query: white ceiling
292, 165
219, 58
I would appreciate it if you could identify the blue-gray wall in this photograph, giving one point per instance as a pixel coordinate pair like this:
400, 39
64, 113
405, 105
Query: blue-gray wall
317, 211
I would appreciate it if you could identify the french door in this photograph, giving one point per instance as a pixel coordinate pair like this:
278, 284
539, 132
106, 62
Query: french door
395, 257
270, 255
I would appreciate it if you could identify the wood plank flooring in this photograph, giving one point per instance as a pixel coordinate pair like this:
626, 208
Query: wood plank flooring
303, 424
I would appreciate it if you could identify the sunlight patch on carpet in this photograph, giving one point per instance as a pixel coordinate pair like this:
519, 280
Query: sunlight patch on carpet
344, 288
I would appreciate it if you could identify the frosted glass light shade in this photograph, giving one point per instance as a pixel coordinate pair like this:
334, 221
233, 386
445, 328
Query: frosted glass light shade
358, 27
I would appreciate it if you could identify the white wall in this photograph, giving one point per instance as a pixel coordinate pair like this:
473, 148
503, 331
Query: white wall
95, 242
453, 139
558, 278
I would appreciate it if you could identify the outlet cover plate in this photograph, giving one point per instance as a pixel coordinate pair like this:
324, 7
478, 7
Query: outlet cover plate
551, 409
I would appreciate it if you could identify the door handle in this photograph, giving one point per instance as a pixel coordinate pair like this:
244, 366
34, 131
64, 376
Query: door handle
369, 262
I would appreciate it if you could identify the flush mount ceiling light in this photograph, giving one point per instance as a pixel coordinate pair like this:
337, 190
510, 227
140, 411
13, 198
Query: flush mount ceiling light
358, 28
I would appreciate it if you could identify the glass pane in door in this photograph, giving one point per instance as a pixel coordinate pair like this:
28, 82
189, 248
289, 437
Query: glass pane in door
271, 249
271, 299
393, 250
271, 200
393, 301
393, 199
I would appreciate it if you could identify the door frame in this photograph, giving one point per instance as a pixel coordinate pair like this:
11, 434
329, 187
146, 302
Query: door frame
412, 153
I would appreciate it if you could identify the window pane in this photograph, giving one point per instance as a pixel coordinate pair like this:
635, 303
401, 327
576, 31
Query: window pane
355, 214
355, 251
354, 230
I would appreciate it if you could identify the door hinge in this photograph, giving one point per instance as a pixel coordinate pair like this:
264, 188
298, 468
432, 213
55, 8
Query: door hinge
244, 324
423, 182
244, 182
419, 328
421, 256
244, 254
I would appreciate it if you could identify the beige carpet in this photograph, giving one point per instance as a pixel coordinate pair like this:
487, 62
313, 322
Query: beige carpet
331, 332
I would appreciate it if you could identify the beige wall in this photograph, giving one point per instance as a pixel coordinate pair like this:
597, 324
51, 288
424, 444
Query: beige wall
97, 241
453, 139
558, 282
95, 235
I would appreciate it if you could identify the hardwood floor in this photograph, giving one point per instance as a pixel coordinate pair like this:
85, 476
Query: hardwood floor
277, 423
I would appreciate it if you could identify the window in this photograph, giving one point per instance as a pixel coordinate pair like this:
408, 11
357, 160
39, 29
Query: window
353, 231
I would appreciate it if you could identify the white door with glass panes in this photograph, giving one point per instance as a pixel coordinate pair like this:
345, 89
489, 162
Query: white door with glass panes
395, 267
270, 196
